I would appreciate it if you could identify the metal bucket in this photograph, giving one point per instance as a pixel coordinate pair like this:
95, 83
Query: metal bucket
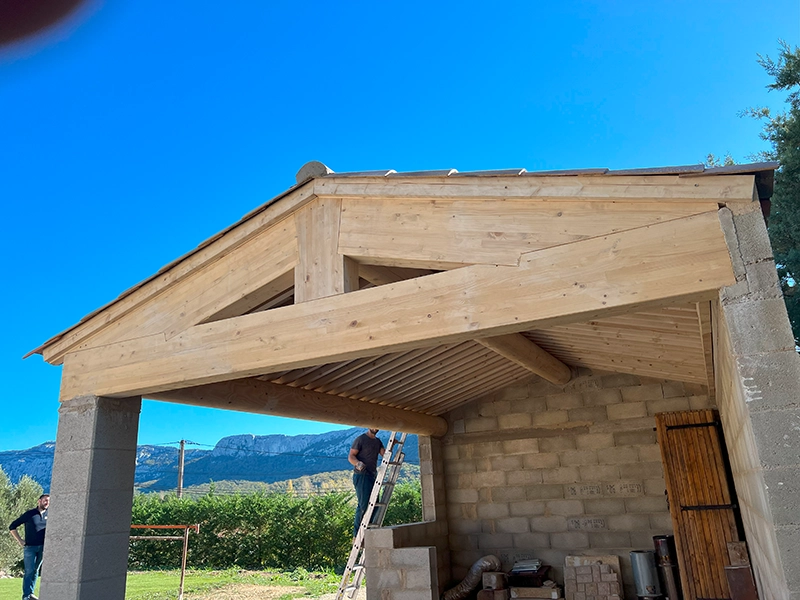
645, 575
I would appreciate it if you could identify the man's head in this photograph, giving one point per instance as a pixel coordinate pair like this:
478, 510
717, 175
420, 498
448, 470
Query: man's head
43, 502
373, 432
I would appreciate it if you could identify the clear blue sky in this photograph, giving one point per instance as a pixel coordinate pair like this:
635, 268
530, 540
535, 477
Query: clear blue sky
141, 128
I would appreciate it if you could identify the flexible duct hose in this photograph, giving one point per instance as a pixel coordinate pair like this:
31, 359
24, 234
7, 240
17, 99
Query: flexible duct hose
473, 578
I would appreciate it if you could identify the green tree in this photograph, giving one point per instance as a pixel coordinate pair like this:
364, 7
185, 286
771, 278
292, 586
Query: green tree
14, 500
782, 131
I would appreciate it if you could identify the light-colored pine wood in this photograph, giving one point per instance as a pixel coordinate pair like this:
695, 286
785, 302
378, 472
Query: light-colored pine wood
378, 275
262, 397
522, 351
621, 188
706, 336
442, 233
214, 249
654, 265
321, 270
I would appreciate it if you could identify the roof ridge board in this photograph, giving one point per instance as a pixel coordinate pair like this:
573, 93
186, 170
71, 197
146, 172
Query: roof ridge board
744, 168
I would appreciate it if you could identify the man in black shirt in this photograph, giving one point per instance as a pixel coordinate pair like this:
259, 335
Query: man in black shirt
35, 521
363, 456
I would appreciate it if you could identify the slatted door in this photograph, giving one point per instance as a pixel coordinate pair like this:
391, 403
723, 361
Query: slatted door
701, 499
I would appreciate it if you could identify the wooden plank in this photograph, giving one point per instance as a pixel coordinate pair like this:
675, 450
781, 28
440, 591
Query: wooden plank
252, 225
378, 275
444, 233
522, 351
627, 188
321, 270
704, 317
654, 265
243, 278
262, 397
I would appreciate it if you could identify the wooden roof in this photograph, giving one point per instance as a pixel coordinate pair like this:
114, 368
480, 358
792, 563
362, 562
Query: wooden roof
421, 291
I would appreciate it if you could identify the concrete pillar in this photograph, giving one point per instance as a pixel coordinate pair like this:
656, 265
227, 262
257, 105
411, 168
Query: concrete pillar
758, 371
86, 547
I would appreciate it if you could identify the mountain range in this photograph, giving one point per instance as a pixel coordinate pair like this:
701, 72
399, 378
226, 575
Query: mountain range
246, 457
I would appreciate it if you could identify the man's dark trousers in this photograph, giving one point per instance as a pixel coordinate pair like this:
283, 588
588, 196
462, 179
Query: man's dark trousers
32, 556
363, 482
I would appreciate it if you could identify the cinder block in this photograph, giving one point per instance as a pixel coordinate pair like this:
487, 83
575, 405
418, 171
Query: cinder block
457, 496
628, 522
783, 492
599, 472
494, 541
529, 405
489, 479
494, 580
565, 508
668, 405
524, 446
561, 475
591, 414
493, 511
627, 410
700, 402
604, 506
564, 401
508, 494
594, 441
383, 578
550, 417
641, 470
556, 444
776, 437
527, 508
545, 491
541, 460
421, 557
635, 438
654, 487
548, 524
759, 326
769, 381
647, 504
619, 380
514, 420
492, 594
642, 393
532, 541
506, 463
570, 540
752, 238
609, 539
418, 579
614, 456
602, 397
480, 424
524, 478
574, 458
650, 453
513, 525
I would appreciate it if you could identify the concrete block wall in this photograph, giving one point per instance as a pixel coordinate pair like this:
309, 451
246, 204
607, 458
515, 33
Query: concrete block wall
412, 562
758, 379
539, 470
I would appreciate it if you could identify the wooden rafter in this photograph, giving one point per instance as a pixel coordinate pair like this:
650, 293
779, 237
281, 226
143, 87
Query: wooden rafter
263, 397
704, 317
648, 266
520, 350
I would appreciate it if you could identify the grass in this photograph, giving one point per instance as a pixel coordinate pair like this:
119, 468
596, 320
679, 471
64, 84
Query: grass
163, 585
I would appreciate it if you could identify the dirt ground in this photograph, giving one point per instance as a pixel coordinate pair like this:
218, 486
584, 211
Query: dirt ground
243, 591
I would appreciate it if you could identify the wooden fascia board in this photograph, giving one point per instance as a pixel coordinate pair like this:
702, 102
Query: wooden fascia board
619, 188
654, 265
263, 397
54, 349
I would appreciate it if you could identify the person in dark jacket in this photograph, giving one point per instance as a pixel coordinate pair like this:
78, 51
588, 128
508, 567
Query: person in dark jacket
35, 521
363, 456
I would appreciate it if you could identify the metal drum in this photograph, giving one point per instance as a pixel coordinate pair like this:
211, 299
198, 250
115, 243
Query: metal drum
667, 561
645, 575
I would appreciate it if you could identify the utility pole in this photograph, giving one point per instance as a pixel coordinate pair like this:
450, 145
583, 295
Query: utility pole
180, 468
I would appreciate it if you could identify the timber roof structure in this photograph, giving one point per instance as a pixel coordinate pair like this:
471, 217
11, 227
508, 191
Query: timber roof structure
420, 291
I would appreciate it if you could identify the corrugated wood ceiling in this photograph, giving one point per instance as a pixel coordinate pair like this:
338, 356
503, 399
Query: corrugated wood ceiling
660, 343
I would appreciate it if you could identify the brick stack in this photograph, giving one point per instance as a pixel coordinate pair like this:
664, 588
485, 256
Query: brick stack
585, 579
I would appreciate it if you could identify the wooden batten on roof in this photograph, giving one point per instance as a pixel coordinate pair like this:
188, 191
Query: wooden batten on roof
383, 292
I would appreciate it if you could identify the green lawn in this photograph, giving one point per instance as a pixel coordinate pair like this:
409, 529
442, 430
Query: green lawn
163, 585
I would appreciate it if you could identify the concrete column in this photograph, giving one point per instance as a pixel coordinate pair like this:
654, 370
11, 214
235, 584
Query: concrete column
758, 401
86, 547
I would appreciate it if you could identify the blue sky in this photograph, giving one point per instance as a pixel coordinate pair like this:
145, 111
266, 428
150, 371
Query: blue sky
139, 129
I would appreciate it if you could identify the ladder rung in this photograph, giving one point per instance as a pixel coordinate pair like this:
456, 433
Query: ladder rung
357, 567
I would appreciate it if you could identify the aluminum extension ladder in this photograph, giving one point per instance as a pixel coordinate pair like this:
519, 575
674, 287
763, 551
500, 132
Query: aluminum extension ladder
376, 511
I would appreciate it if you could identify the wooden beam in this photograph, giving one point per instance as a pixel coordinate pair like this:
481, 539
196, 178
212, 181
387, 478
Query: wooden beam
446, 234
321, 270
651, 266
263, 397
706, 334
617, 188
378, 275
520, 350
245, 277
220, 245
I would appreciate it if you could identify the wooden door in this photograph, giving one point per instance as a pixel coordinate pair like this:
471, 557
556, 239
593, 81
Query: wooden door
702, 502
